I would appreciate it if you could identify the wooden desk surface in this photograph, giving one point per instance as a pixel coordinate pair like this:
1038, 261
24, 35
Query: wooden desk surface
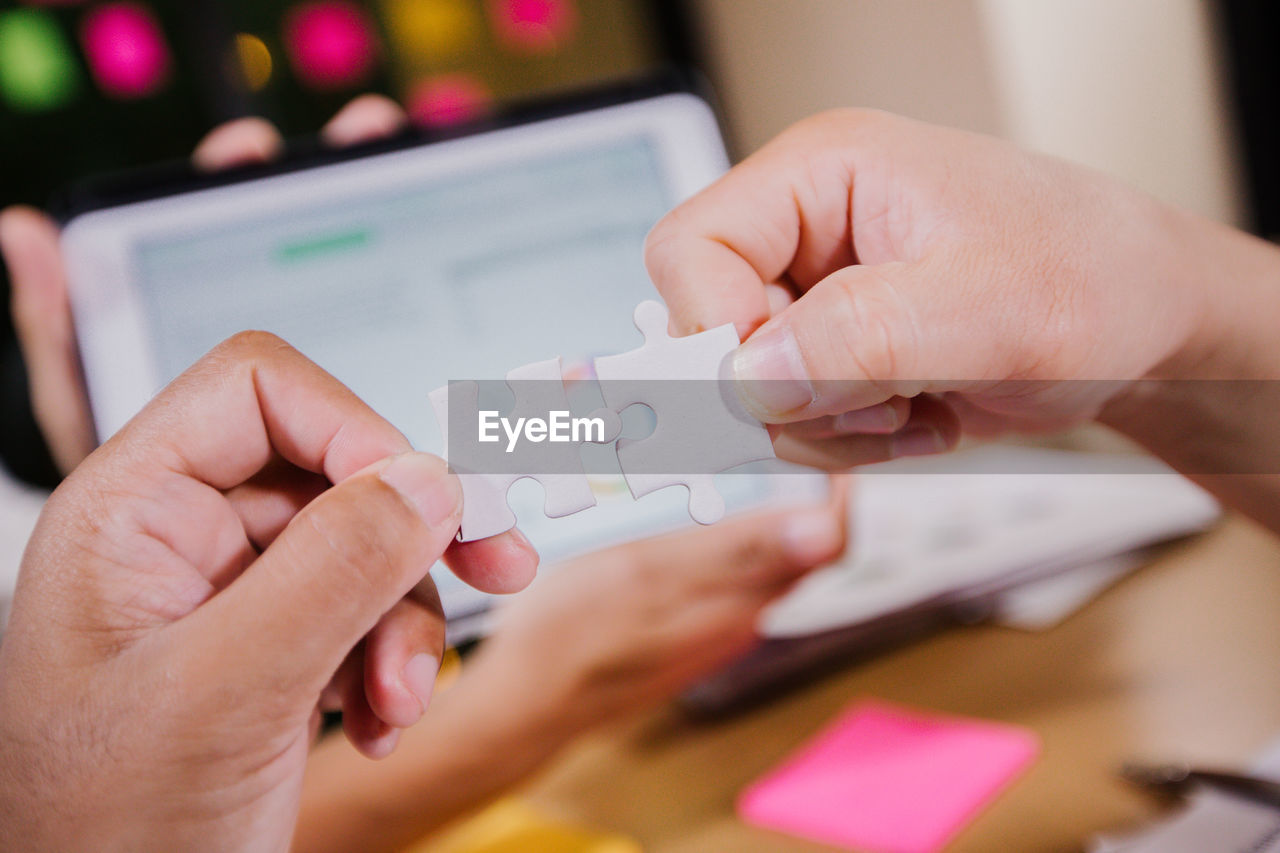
1181, 660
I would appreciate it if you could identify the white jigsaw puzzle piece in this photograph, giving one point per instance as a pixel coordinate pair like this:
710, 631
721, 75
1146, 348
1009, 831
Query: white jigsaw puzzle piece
539, 389
701, 426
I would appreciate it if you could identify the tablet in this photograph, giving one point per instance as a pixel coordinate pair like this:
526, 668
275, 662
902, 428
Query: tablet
399, 270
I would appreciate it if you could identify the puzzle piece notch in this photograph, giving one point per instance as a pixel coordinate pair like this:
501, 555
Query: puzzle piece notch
700, 429
538, 389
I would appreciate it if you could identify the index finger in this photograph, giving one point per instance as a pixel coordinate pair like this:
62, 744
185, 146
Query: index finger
784, 212
254, 397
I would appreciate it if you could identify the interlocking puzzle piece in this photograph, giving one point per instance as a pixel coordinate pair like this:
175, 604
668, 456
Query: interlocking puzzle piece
701, 426
539, 389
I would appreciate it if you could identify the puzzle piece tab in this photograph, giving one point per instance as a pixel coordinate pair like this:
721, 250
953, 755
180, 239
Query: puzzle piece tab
701, 427
487, 471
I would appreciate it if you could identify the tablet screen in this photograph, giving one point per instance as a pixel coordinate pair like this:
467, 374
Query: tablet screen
398, 292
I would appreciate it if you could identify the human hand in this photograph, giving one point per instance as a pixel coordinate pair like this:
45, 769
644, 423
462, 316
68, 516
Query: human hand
195, 588
40, 305
605, 634
901, 282
635, 624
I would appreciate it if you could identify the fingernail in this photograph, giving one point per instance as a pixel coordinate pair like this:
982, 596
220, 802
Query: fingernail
770, 372
419, 677
812, 537
426, 484
917, 441
879, 419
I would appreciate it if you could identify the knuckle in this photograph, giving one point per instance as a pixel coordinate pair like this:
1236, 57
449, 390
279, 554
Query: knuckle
838, 124
366, 532
355, 551
243, 351
661, 242
250, 344
871, 327
657, 241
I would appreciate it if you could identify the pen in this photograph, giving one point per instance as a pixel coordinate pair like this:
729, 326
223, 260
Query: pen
1181, 779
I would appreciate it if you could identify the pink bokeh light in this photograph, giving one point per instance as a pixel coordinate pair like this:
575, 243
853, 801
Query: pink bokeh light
125, 49
448, 99
534, 26
331, 44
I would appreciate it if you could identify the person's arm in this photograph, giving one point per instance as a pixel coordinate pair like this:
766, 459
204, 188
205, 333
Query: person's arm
473, 745
604, 635
1213, 410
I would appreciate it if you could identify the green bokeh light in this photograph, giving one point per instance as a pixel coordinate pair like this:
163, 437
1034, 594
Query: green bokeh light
37, 70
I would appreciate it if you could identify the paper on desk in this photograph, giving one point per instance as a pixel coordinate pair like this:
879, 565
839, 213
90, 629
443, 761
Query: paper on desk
1211, 821
19, 507
1041, 604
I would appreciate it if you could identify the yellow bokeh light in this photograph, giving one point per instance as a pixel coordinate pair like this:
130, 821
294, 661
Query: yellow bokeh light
431, 29
254, 58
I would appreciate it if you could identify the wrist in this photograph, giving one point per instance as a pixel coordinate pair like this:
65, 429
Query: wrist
1226, 283
1192, 408
1234, 276
520, 711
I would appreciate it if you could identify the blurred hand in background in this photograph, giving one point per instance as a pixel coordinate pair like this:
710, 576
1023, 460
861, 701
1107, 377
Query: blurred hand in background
603, 636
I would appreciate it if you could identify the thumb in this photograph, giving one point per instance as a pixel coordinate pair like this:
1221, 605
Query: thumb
859, 337
288, 621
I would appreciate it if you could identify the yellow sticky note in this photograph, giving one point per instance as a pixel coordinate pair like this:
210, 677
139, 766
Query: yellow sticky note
512, 826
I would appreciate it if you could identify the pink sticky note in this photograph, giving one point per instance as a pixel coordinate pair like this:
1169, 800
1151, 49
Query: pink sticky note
889, 779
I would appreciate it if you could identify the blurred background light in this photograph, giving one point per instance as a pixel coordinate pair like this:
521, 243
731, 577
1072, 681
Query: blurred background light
536, 26
125, 49
37, 69
253, 58
331, 44
447, 100
432, 28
